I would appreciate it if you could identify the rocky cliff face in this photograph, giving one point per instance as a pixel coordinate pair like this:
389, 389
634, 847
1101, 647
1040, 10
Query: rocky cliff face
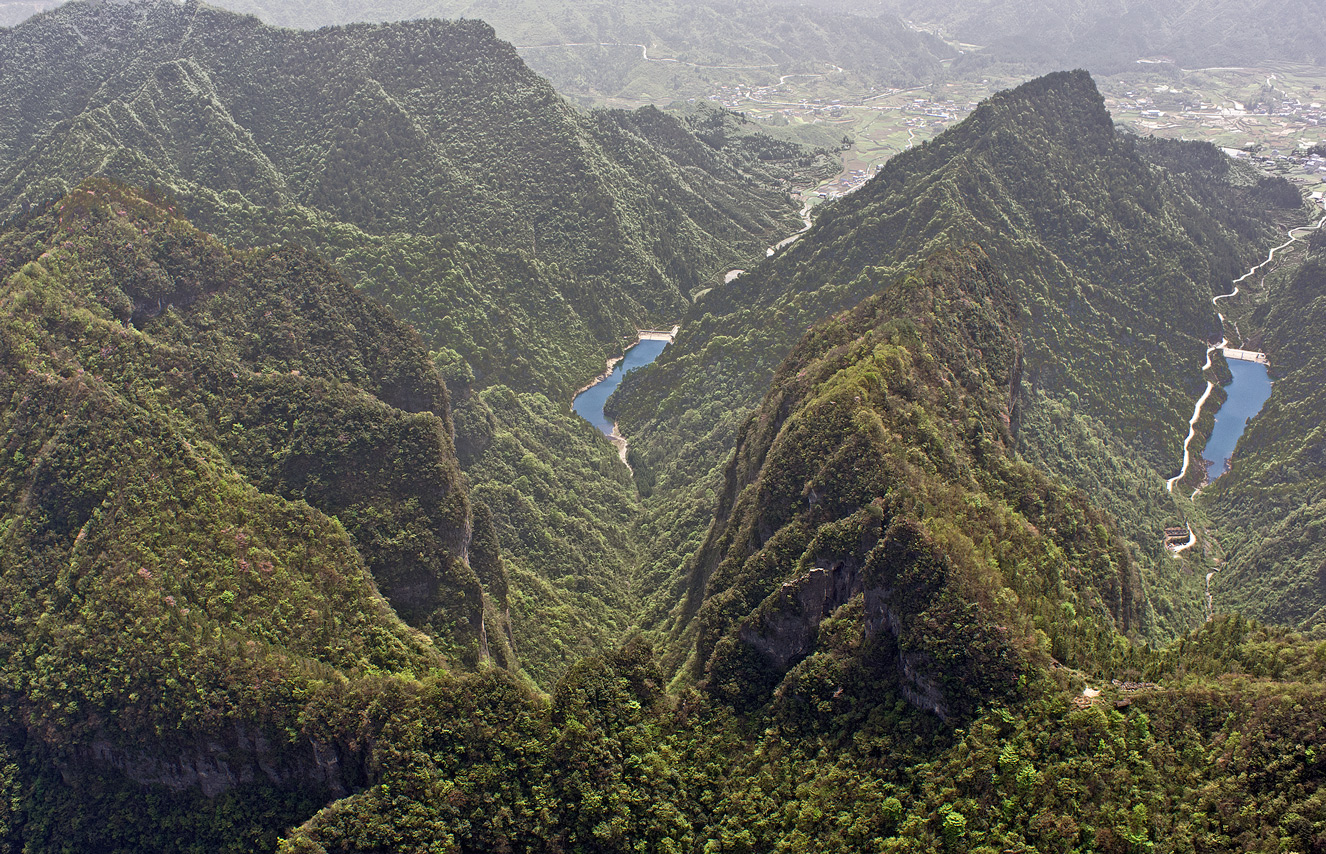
215, 766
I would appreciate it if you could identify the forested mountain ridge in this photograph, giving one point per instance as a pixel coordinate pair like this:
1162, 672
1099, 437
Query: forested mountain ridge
366, 140
877, 482
1210, 745
226, 478
263, 689
521, 238
213, 461
1113, 247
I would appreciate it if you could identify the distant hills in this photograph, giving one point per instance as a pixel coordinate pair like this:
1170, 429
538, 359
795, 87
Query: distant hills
15, 12
1108, 36
645, 51
593, 52
659, 51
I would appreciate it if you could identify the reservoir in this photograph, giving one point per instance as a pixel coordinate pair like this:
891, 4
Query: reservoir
1247, 394
589, 403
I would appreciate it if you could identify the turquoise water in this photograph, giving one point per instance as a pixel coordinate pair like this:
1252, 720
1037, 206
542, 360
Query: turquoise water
1247, 394
589, 403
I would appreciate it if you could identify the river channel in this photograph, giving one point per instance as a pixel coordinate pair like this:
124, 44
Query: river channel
589, 403
1247, 392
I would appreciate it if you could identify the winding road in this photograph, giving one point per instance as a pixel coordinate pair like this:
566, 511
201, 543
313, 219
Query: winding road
790, 239
1294, 237
1210, 386
1192, 541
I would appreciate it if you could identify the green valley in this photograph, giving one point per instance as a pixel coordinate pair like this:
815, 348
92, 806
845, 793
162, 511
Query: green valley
521, 238
303, 548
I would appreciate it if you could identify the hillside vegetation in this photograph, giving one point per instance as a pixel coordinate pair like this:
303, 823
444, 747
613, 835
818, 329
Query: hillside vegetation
1270, 506
213, 461
878, 478
423, 158
301, 549
195, 664
521, 238
1111, 245
918, 704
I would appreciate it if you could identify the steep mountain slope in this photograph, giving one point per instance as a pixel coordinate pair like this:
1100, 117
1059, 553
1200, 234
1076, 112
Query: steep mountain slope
1220, 762
876, 483
399, 145
213, 461
309, 391
659, 51
521, 238
920, 569
15, 12
1112, 247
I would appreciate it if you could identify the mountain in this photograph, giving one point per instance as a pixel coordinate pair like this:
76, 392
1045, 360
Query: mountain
923, 709
877, 485
521, 238
1112, 246
225, 479
423, 158
282, 572
193, 662
660, 51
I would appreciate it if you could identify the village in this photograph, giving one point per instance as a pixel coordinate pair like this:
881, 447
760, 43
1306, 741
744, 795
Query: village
1273, 117
878, 123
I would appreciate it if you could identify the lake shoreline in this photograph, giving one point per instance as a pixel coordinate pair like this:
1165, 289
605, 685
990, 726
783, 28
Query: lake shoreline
641, 335
1224, 342
614, 436
1246, 395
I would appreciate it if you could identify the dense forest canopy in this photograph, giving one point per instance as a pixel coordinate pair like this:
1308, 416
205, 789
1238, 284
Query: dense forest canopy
424, 158
303, 550
521, 238
1111, 245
